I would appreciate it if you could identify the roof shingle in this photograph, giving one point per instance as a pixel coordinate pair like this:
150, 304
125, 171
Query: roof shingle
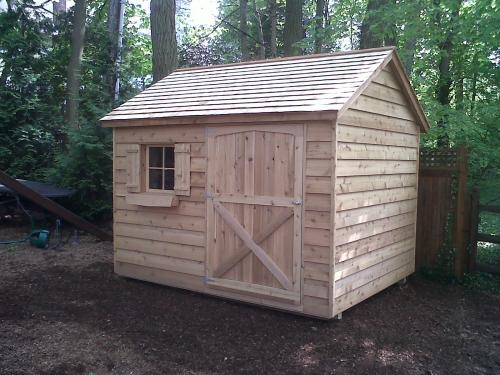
304, 84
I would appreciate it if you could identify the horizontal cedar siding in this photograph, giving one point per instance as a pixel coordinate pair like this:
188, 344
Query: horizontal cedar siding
375, 193
316, 250
165, 245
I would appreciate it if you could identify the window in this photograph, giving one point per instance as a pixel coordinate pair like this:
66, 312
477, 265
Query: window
160, 168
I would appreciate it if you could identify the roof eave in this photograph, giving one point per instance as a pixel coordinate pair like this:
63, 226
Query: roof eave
276, 117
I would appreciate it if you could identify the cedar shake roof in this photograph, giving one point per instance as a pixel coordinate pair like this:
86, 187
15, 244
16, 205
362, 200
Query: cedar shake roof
327, 82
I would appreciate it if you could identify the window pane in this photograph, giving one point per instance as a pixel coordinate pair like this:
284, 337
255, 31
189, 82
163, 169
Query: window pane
155, 178
169, 179
169, 157
155, 156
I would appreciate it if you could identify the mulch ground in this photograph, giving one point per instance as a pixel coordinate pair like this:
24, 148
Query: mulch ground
65, 312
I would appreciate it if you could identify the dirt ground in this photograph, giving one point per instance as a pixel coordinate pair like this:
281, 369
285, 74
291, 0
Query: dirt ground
65, 312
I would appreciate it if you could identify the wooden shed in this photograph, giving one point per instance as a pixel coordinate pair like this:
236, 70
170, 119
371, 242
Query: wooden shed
289, 183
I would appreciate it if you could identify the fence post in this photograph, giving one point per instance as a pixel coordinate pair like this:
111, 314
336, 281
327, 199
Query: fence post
474, 223
461, 214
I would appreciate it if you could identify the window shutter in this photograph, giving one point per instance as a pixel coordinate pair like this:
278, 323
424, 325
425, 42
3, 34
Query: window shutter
182, 168
133, 168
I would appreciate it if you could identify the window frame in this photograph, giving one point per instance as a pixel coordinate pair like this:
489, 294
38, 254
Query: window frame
163, 168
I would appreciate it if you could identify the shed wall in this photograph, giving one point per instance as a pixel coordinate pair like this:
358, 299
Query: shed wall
168, 245
376, 193
317, 249
156, 243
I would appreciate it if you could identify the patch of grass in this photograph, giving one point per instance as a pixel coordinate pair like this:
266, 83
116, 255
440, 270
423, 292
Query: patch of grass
438, 275
490, 190
482, 281
488, 253
489, 222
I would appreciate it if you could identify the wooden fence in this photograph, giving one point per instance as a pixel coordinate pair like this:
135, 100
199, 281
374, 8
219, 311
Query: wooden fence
443, 206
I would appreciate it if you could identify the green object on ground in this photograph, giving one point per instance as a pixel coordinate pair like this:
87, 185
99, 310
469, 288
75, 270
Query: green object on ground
40, 238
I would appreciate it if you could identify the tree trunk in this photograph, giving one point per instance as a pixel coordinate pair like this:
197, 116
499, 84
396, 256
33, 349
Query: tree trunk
445, 81
260, 32
446, 48
163, 38
75, 62
474, 84
408, 54
114, 17
245, 55
319, 25
271, 10
293, 31
118, 63
459, 83
376, 31
412, 31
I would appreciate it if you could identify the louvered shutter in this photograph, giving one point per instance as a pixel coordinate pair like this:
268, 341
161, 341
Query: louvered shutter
133, 168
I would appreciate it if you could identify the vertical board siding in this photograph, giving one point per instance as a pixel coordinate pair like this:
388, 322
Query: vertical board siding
376, 191
160, 239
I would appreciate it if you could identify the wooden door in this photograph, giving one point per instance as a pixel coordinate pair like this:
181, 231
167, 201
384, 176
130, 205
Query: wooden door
254, 210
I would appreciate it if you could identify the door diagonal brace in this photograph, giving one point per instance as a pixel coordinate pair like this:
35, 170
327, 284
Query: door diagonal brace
256, 249
260, 237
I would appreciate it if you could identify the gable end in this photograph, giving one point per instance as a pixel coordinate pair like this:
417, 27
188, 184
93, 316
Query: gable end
392, 70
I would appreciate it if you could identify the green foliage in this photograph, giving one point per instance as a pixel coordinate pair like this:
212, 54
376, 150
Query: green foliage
86, 167
199, 47
137, 51
29, 93
34, 55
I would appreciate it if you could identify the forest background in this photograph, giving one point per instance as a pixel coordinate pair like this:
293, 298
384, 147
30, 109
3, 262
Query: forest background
65, 65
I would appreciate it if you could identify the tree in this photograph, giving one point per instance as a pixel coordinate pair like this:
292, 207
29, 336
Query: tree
245, 54
163, 38
260, 34
75, 62
319, 25
377, 29
272, 20
411, 34
445, 48
116, 15
294, 31
445, 81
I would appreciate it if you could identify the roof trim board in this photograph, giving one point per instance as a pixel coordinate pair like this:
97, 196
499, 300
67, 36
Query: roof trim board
233, 119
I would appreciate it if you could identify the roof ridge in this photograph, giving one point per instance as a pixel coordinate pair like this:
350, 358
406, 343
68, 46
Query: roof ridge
288, 58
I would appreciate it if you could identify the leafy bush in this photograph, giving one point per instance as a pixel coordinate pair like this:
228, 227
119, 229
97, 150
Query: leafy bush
86, 167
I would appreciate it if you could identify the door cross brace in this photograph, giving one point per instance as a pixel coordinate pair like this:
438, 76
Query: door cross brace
254, 247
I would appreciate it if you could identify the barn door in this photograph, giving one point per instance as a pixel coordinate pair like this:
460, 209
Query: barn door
254, 203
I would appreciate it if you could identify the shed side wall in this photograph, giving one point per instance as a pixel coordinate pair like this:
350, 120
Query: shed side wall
376, 193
